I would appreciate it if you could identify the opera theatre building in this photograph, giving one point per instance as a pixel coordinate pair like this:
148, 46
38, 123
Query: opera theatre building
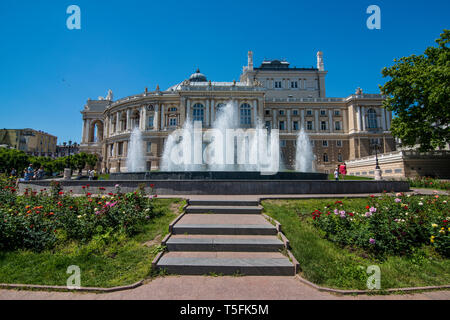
278, 95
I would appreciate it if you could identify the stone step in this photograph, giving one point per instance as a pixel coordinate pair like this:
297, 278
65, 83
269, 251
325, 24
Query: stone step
226, 263
224, 209
224, 224
235, 203
225, 229
224, 243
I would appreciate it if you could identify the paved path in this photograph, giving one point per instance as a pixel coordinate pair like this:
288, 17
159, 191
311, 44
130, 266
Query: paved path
216, 288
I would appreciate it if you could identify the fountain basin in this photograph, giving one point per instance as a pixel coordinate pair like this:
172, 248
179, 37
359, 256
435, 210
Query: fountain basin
216, 175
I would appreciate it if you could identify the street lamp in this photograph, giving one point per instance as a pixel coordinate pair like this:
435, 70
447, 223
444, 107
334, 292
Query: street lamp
68, 171
378, 176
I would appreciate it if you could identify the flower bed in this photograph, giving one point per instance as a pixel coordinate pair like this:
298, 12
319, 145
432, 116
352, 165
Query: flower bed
426, 182
40, 220
388, 224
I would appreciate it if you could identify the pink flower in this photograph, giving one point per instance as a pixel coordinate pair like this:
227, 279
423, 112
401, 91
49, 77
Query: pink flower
397, 200
372, 241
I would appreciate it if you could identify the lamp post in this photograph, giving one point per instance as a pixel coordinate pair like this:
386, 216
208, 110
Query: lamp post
68, 171
377, 165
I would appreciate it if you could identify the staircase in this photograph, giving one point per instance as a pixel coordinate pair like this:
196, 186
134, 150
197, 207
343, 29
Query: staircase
224, 237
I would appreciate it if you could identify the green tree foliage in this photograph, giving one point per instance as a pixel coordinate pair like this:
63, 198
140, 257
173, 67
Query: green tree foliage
418, 92
12, 158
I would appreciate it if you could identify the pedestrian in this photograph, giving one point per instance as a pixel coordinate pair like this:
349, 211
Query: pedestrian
30, 173
343, 169
91, 174
13, 172
336, 174
40, 173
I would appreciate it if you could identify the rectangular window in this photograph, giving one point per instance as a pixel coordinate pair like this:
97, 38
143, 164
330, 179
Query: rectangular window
324, 143
267, 112
337, 125
149, 147
281, 112
309, 125
149, 166
295, 125
150, 121
294, 84
337, 113
338, 143
282, 127
295, 112
268, 125
323, 112
323, 125
309, 112
277, 84
339, 157
120, 148
172, 122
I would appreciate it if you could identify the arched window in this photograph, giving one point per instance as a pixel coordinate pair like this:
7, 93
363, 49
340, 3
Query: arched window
372, 119
198, 112
325, 157
246, 111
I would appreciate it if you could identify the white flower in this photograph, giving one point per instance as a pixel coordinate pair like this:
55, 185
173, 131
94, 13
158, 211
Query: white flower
420, 203
79, 217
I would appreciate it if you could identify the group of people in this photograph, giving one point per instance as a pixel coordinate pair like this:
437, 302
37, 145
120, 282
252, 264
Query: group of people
340, 170
29, 173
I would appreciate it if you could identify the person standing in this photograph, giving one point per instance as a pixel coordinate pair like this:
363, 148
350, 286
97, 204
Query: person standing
336, 174
30, 173
13, 172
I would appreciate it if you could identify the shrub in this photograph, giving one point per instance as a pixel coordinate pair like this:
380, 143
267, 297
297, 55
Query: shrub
388, 224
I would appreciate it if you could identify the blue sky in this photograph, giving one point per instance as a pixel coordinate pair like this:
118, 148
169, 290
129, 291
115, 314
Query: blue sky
47, 72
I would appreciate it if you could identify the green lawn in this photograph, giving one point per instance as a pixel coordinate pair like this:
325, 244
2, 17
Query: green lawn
326, 264
347, 177
103, 263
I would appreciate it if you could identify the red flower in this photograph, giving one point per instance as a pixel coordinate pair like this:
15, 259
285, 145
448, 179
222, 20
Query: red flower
88, 194
367, 207
61, 192
372, 196
83, 187
152, 185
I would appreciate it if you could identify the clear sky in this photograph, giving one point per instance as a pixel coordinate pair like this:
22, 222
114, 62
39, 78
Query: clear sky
47, 72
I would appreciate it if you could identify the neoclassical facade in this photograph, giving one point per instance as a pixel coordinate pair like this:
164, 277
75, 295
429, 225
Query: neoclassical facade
282, 97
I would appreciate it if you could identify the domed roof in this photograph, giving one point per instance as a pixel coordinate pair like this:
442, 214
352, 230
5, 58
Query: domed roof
198, 77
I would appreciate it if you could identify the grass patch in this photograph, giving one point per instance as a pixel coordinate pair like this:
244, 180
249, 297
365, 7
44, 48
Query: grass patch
327, 264
122, 261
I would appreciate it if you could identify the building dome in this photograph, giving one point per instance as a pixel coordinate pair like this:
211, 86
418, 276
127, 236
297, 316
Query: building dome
198, 77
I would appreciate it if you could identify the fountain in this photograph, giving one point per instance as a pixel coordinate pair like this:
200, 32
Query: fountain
304, 157
135, 155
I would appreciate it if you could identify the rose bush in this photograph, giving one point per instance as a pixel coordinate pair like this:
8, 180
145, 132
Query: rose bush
388, 224
39, 220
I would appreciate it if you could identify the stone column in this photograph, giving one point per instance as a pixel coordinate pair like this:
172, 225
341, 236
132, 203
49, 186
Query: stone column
118, 121
383, 119
207, 113
163, 120
128, 119
302, 119
213, 111
289, 125
358, 118
316, 120
388, 118
83, 132
156, 118
330, 120
363, 118
275, 124
143, 119
188, 109
255, 113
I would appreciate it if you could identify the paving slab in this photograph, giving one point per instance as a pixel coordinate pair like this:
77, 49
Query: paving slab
217, 288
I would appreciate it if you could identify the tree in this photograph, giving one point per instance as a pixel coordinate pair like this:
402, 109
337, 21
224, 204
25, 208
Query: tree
12, 158
418, 92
